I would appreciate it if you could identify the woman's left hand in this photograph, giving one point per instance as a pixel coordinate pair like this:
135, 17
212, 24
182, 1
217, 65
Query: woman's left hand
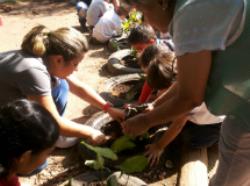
117, 114
153, 152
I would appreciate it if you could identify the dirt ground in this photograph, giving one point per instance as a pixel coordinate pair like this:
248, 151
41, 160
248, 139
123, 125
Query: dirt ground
18, 19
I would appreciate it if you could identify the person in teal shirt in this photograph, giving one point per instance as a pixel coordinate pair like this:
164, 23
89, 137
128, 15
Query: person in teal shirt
212, 39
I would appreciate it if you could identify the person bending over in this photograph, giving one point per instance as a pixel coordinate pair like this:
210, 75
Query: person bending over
42, 71
200, 127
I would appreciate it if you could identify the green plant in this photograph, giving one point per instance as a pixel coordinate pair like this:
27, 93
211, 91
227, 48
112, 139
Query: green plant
101, 153
133, 52
134, 164
122, 143
134, 19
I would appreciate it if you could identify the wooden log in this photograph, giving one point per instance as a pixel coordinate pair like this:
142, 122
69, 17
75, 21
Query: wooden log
194, 167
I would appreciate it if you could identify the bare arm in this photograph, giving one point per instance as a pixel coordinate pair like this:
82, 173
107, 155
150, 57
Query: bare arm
85, 92
166, 95
173, 131
67, 127
193, 72
155, 150
88, 94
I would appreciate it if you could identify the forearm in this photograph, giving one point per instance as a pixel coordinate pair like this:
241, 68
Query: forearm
169, 110
91, 96
67, 127
70, 128
166, 95
86, 93
172, 132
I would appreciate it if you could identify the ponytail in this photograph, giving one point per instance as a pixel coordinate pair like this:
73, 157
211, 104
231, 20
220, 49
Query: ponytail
67, 42
36, 41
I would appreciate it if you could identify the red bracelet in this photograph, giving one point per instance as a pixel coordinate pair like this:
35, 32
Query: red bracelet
106, 107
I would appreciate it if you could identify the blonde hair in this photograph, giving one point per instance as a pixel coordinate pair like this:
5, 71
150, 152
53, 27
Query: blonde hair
68, 42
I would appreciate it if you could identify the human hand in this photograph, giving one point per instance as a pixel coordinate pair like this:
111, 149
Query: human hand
153, 152
97, 137
136, 125
117, 114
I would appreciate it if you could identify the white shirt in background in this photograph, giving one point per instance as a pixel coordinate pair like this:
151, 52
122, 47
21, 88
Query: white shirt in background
96, 10
108, 26
202, 116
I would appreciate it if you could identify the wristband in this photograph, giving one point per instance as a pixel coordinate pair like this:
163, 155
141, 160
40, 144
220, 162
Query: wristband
106, 107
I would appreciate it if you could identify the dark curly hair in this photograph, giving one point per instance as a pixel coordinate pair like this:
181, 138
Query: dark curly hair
24, 126
141, 34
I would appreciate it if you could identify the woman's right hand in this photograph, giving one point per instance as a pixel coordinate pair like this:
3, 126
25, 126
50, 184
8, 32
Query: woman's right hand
97, 137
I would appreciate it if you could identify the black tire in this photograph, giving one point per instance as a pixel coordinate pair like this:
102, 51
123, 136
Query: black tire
99, 121
114, 81
115, 66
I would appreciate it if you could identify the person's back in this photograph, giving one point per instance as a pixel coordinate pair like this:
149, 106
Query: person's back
108, 26
19, 69
96, 10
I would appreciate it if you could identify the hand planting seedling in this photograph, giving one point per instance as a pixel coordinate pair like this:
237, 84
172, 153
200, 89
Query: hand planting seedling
132, 164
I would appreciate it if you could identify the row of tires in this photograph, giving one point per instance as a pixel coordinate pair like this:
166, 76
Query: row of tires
116, 63
122, 74
123, 65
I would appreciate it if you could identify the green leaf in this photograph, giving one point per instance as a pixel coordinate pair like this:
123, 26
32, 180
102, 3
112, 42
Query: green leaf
91, 147
94, 164
100, 161
134, 164
122, 143
102, 151
135, 19
106, 153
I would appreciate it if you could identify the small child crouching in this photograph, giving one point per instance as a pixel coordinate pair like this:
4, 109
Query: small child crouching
149, 60
144, 35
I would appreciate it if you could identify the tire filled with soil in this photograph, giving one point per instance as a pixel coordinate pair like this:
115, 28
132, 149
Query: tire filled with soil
123, 62
123, 89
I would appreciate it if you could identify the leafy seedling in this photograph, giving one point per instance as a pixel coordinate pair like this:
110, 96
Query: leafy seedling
134, 164
134, 19
122, 143
101, 153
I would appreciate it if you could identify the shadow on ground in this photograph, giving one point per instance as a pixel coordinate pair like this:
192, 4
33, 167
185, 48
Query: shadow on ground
36, 7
